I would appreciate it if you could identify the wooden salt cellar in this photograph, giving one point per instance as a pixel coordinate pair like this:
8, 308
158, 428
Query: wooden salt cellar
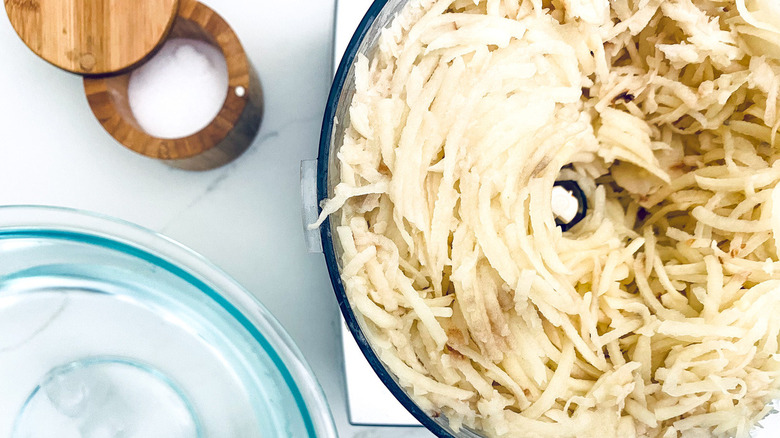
106, 80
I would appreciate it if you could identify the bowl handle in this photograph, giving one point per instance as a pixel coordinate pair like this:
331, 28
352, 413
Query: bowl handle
309, 205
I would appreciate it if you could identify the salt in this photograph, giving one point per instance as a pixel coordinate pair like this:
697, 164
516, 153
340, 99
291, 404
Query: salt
180, 90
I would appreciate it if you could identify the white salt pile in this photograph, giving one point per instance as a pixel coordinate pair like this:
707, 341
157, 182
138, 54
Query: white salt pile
180, 90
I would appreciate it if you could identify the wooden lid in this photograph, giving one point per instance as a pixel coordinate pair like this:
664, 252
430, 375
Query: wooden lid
92, 37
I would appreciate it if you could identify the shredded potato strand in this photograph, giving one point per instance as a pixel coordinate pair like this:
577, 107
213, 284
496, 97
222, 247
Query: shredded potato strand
656, 316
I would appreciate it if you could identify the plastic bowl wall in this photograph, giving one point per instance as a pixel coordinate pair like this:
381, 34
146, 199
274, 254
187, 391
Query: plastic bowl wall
379, 16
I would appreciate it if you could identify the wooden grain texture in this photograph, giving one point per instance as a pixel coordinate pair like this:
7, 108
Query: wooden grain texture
92, 36
226, 137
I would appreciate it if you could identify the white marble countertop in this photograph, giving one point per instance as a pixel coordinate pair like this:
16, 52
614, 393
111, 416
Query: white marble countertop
245, 217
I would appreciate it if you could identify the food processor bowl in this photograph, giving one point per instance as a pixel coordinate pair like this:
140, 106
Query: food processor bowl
336, 120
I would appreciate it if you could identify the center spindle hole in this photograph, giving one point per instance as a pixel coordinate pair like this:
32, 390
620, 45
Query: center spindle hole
569, 204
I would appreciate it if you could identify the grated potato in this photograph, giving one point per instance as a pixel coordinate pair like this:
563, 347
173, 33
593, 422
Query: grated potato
656, 316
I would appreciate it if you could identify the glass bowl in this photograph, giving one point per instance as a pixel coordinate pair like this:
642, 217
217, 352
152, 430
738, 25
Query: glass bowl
111, 330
